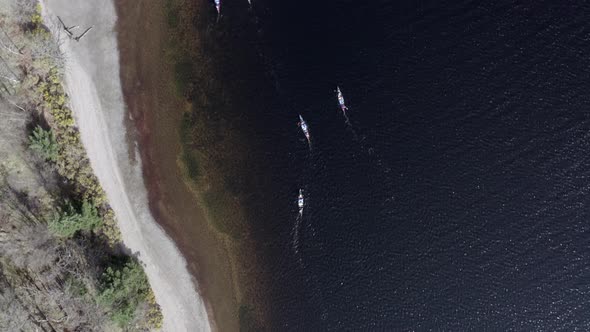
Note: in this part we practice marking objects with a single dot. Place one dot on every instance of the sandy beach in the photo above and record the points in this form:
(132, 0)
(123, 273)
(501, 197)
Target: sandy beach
(94, 88)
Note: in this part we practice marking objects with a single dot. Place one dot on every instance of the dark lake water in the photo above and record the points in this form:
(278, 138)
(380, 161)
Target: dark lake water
(456, 197)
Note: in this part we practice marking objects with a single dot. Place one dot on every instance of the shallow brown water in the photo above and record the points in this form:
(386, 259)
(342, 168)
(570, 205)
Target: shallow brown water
(156, 112)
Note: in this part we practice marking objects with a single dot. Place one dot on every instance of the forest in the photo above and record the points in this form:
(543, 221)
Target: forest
(63, 266)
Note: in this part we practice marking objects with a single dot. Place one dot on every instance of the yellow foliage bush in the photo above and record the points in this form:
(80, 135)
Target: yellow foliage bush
(155, 318)
(36, 18)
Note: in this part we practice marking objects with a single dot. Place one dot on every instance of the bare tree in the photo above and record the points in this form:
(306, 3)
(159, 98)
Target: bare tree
(9, 45)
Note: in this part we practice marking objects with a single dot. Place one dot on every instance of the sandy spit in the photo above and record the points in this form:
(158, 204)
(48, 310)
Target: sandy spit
(94, 88)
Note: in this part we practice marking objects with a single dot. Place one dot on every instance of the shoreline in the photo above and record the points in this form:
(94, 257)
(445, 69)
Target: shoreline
(230, 277)
(96, 100)
(147, 79)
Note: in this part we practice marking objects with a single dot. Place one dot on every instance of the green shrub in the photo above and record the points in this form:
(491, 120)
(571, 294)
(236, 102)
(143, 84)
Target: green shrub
(43, 142)
(69, 220)
(122, 290)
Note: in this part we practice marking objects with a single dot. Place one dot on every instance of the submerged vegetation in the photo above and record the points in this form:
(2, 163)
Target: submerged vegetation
(61, 263)
(208, 133)
(217, 154)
